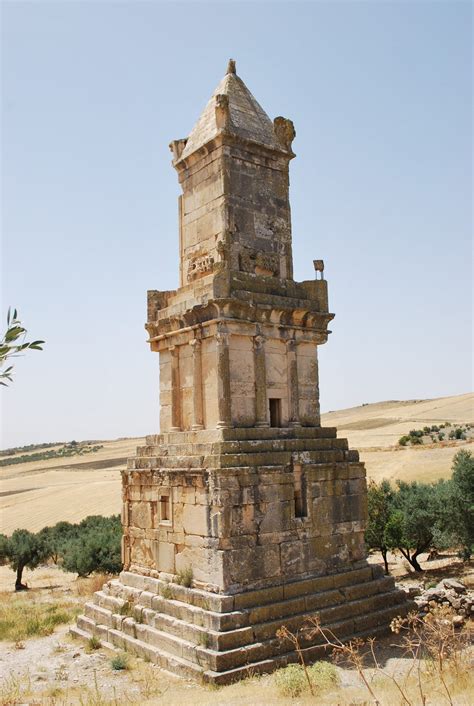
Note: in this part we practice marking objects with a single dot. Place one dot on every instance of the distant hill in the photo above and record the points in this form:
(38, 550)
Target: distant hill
(40, 493)
(375, 429)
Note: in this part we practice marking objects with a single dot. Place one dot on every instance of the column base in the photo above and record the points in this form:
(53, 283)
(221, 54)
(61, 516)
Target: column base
(197, 427)
(224, 425)
(175, 429)
(262, 424)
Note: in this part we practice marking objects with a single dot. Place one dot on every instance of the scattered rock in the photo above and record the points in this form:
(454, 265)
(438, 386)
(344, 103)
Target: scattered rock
(452, 584)
(449, 593)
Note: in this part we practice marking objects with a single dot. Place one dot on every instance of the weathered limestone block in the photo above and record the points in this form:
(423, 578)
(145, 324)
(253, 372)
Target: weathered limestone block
(196, 519)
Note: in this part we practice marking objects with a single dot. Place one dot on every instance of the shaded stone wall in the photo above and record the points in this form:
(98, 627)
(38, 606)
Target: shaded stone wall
(246, 526)
(259, 213)
(202, 216)
(259, 367)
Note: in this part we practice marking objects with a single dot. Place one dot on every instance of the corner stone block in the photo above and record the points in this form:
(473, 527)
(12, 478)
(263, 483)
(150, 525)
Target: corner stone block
(164, 553)
(141, 515)
(196, 520)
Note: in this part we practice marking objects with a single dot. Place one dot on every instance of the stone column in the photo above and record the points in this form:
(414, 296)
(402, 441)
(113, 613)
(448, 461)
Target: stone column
(261, 404)
(223, 381)
(197, 385)
(293, 395)
(175, 390)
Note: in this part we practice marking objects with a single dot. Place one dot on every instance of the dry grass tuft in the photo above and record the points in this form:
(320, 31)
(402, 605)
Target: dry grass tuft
(85, 587)
(24, 616)
(13, 690)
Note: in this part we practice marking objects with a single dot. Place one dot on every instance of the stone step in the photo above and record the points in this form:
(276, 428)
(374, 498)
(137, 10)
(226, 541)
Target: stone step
(219, 603)
(191, 614)
(185, 640)
(112, 603)
(237, 447)
(171, 663)
(310, 654)
(226, 631)
(182, 657)
(241, 433)
(101, 616)
(236, 460)
(79, 633)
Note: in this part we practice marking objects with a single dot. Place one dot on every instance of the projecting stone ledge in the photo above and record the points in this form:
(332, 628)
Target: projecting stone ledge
(218, 638)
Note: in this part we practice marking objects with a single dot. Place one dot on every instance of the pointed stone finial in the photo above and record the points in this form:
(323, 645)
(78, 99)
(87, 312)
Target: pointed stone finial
(231, 67)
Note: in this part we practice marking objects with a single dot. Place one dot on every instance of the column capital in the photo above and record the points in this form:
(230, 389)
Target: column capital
(195, 343)
(259, 340)
(291, 344)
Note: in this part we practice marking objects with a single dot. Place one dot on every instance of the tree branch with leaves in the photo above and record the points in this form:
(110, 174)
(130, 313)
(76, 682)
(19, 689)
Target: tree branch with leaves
(13, 344)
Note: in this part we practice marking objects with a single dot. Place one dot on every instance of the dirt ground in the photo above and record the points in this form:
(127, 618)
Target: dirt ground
(56, 670)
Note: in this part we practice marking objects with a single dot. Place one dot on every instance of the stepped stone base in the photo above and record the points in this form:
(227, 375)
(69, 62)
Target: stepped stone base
(222, 638)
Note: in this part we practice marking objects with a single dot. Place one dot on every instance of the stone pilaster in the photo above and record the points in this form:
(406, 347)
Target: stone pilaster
(197, 385)
(293, 393)
(175, 390)
(261, 411)
(223, 381)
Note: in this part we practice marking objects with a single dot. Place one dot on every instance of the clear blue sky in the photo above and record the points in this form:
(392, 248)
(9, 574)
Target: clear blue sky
(93, 92)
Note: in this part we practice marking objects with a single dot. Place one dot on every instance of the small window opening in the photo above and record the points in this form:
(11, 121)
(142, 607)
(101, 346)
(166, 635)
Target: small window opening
(301, 506)
(165, 511)
(275, 413)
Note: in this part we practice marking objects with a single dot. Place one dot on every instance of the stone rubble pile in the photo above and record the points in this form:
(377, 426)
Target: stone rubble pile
(448, 592)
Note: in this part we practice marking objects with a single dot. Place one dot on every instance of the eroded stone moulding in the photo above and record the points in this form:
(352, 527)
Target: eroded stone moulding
(243, 494)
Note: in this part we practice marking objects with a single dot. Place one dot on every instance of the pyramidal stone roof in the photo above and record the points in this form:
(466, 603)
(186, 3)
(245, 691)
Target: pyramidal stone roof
(247, 117)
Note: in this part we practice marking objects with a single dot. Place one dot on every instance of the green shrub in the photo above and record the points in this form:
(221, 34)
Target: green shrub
(95, 546)
(323, 675)
(416, 440)
(166, 591)
(291, 680)
(126, 609)
(119, 662)
(184, 577)
(93, 643)
(404, 440)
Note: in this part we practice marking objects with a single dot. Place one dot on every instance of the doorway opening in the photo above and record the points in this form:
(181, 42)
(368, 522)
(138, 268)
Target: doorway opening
(275, 412)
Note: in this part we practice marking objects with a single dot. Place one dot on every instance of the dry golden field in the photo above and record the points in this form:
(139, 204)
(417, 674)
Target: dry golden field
(41, 493)
(374, 429)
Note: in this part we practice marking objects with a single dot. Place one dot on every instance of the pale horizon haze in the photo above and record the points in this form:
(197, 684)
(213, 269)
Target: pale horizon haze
(93, 93)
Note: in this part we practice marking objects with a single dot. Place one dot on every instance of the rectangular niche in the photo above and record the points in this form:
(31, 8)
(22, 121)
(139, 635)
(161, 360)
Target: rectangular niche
(300, 495)
(164, 508)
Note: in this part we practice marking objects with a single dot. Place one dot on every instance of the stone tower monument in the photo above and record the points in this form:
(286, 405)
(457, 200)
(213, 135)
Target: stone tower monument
(243, 514)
